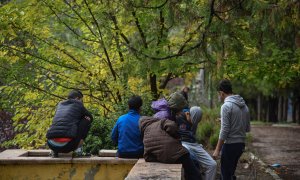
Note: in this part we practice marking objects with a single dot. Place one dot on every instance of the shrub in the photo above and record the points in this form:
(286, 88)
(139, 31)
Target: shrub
(208, 129)
(249, 138)
(213, 139)
(205, 129)
(99, 135)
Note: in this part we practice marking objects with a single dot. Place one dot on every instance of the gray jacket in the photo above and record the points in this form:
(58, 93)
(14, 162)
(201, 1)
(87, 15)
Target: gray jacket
(235, 120)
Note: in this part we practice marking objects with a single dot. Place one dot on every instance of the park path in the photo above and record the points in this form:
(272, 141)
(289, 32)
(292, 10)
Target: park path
(278, 144)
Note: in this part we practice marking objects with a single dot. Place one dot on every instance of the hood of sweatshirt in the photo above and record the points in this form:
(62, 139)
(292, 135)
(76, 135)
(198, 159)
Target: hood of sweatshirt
(160, 105)
(236, 99)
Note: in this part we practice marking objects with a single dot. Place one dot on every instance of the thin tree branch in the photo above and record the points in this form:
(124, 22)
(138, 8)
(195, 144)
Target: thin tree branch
(102, 43)
(137, 23)
(151, 7)
(41, 58)
(69, 27)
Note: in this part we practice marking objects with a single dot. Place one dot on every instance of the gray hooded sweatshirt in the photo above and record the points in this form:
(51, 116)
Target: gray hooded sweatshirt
(235, 120)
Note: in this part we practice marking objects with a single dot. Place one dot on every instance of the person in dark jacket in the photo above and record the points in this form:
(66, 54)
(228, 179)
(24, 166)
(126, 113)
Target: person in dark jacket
(162, 144)
(188, 121)
(70, 124)
(126, 133)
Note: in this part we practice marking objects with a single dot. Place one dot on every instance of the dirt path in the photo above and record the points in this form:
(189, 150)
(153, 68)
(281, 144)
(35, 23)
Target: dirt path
(281, 145)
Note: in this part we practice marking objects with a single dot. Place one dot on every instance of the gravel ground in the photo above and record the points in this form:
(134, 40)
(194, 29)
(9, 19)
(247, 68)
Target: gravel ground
(278, 145)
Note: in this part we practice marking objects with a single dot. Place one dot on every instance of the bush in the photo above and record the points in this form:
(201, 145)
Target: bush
(204, 131)
(213, 140)
(208, 129)
(249, 138)
(99, 135)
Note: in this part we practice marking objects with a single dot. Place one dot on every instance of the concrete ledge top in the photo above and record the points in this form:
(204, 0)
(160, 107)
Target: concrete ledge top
(154, 170)
(107, 153)
(18, 156)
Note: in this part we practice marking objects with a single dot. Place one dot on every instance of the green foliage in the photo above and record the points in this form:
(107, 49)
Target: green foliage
(99, 135)
(209, 127)
(261, 45)
(213, 139)
(205, 130)
(249, 138)
(108, 50)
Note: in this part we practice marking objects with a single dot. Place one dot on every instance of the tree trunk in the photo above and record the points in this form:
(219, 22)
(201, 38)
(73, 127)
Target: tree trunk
(284, 109)
(268, 111)
(201, 83)
(296, 110)
(272, 109)
(259, 99)
(210, 96)
(153, 86)
(280, 106)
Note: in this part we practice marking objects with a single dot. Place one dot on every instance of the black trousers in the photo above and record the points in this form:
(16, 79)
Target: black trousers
(231, 154)
(191, 172)
(83, 129)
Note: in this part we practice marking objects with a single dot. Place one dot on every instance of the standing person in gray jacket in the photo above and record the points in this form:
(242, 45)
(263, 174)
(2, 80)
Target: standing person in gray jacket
(235, 122)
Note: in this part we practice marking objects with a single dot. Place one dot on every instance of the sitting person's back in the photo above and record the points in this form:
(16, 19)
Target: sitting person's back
(162, 144)
(161, 140)
(126, 133)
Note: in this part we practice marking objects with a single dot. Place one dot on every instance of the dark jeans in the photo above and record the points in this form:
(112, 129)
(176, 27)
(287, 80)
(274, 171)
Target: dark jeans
(194, 159)
(83, 129)
(231, 154)
(191, 172)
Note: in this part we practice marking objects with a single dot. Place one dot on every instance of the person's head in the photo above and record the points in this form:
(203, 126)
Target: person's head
(184, 115)
(196, 115)
(75, 94)
(135, 102)
(177, 102)
(185, 89)
(224, 89)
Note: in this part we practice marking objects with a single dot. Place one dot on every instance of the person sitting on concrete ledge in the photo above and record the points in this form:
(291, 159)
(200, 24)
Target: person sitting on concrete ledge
(70, 125)
(126, 133)
(162, 144)
(187, 121)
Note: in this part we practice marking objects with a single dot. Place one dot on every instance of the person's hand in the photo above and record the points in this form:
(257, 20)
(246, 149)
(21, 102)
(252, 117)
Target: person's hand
(87, 118)
(216, 154)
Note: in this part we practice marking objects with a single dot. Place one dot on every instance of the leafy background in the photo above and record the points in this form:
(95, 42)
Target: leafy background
(112, 49)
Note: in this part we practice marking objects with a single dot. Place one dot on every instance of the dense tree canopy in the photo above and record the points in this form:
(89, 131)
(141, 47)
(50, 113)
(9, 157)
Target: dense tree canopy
(109, 49)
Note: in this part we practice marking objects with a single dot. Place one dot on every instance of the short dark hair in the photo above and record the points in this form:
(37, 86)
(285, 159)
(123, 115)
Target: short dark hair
(135, 102)
(225, 86)
(75, 94)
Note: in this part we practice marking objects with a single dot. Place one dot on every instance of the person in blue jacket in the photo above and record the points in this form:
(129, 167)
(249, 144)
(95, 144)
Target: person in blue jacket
(126, 133)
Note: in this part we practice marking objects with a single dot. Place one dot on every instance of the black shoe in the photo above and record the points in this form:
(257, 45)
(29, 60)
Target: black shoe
(54, 154)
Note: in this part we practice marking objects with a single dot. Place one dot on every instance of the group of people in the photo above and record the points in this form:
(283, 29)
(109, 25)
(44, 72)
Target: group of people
(168, 136)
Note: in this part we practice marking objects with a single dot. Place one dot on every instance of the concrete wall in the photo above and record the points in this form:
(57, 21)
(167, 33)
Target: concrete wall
(36, 164)
(65, 171)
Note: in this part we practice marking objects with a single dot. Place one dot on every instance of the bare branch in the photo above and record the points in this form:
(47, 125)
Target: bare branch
(151, 7)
